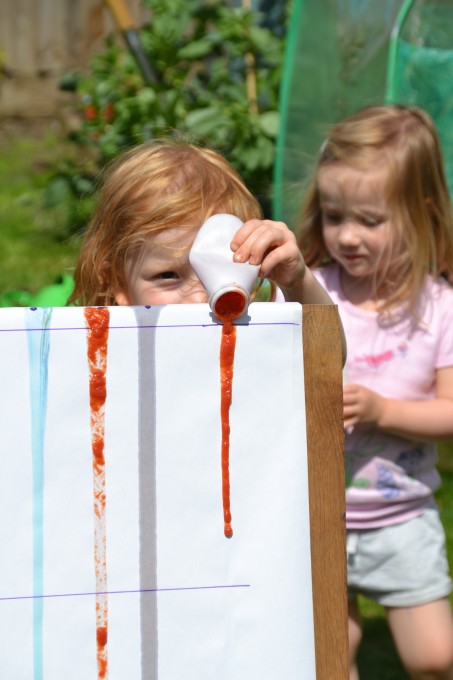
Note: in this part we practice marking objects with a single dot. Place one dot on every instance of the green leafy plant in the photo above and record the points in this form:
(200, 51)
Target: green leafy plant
(217, 75)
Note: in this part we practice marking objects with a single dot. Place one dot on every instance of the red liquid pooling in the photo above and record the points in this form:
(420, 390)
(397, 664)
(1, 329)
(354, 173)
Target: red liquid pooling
(97, 338)
(230, 305)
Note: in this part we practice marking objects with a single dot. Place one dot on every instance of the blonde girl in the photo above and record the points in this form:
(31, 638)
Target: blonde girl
(377, 226)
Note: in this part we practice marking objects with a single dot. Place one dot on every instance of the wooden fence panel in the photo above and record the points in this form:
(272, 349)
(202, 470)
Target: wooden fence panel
(40, 40)
(17, 42)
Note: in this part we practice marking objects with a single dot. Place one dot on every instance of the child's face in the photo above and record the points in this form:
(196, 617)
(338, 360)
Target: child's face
(356, 219)
(162, 275)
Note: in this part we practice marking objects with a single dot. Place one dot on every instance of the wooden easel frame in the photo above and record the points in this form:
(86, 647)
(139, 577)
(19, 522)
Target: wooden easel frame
(324, 417)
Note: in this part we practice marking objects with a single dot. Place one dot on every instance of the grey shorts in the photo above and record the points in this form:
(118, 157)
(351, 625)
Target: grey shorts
(402, 565)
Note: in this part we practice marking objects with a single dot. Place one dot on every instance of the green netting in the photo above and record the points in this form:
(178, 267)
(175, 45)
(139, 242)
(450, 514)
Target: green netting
(421, 66)
(336, 61)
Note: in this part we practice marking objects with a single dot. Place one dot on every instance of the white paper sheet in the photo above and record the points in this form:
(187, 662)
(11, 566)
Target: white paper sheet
(180, 599)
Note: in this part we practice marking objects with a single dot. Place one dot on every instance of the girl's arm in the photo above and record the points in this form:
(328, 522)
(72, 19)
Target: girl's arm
(274, 246)
(429, 420)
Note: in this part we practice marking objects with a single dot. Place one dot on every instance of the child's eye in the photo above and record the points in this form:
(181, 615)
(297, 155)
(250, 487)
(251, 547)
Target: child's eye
(332, 218)
(167, 275)
(371, 221)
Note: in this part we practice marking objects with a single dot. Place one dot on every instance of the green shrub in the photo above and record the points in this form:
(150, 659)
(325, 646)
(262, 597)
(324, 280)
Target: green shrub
(217, 75)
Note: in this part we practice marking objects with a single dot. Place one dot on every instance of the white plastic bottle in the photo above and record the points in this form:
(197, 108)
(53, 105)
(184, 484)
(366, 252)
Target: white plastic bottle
(228, 283)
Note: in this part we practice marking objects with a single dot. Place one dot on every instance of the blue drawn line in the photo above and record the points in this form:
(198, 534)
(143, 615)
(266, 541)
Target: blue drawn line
(126, 592)
(38, 352)
(182, 325)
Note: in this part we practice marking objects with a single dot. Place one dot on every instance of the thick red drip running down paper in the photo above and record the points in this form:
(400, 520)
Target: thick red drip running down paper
(227, 349)
(228, 307)
(97, 338)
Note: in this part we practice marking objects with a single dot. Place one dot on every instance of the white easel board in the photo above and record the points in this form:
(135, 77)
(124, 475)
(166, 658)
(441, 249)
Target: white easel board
(150, 579)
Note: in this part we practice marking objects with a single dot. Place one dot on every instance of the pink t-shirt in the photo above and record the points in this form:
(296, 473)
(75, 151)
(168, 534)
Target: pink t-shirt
(390, 479)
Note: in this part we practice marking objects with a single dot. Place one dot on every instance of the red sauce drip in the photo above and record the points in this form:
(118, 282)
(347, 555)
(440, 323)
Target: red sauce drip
(101, 636)
(97, 446)
(97, 338)
(102, 668)
(230, 305)
(227, 349)
(98, 390)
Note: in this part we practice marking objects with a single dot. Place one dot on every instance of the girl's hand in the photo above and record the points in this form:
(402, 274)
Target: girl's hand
(424, 420)
(273, 246)
(361, 405)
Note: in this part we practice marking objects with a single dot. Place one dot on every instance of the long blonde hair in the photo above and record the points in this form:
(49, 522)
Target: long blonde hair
(152, 187)
(417, 194)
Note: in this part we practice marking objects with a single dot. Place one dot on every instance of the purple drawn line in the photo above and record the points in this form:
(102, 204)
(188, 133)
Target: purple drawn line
(126, 592)
(182, 325)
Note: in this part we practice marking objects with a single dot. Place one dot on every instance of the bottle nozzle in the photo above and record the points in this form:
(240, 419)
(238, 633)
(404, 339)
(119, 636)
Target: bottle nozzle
(230, 302)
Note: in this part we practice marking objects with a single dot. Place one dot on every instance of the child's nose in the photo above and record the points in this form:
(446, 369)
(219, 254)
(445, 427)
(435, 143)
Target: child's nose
(349, 233)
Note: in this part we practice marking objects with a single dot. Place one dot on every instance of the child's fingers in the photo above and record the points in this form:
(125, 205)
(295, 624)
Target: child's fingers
(349, 412)
(351, 393)
(348, 389)
(350, 405)
(244, 232)
(270, 259)
(348, 424)
(361, 404)
(257, 238)
(266, 232)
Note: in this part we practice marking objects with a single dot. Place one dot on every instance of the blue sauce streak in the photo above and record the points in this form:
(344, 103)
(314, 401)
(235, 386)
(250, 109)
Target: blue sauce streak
(38, 354)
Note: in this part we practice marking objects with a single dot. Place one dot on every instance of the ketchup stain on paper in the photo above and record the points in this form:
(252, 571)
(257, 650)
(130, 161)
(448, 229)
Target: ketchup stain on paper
(227, 349)
(229, 306)
(97, 338)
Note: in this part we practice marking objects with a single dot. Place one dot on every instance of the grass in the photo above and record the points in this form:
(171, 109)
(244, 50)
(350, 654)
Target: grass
(36, 247)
